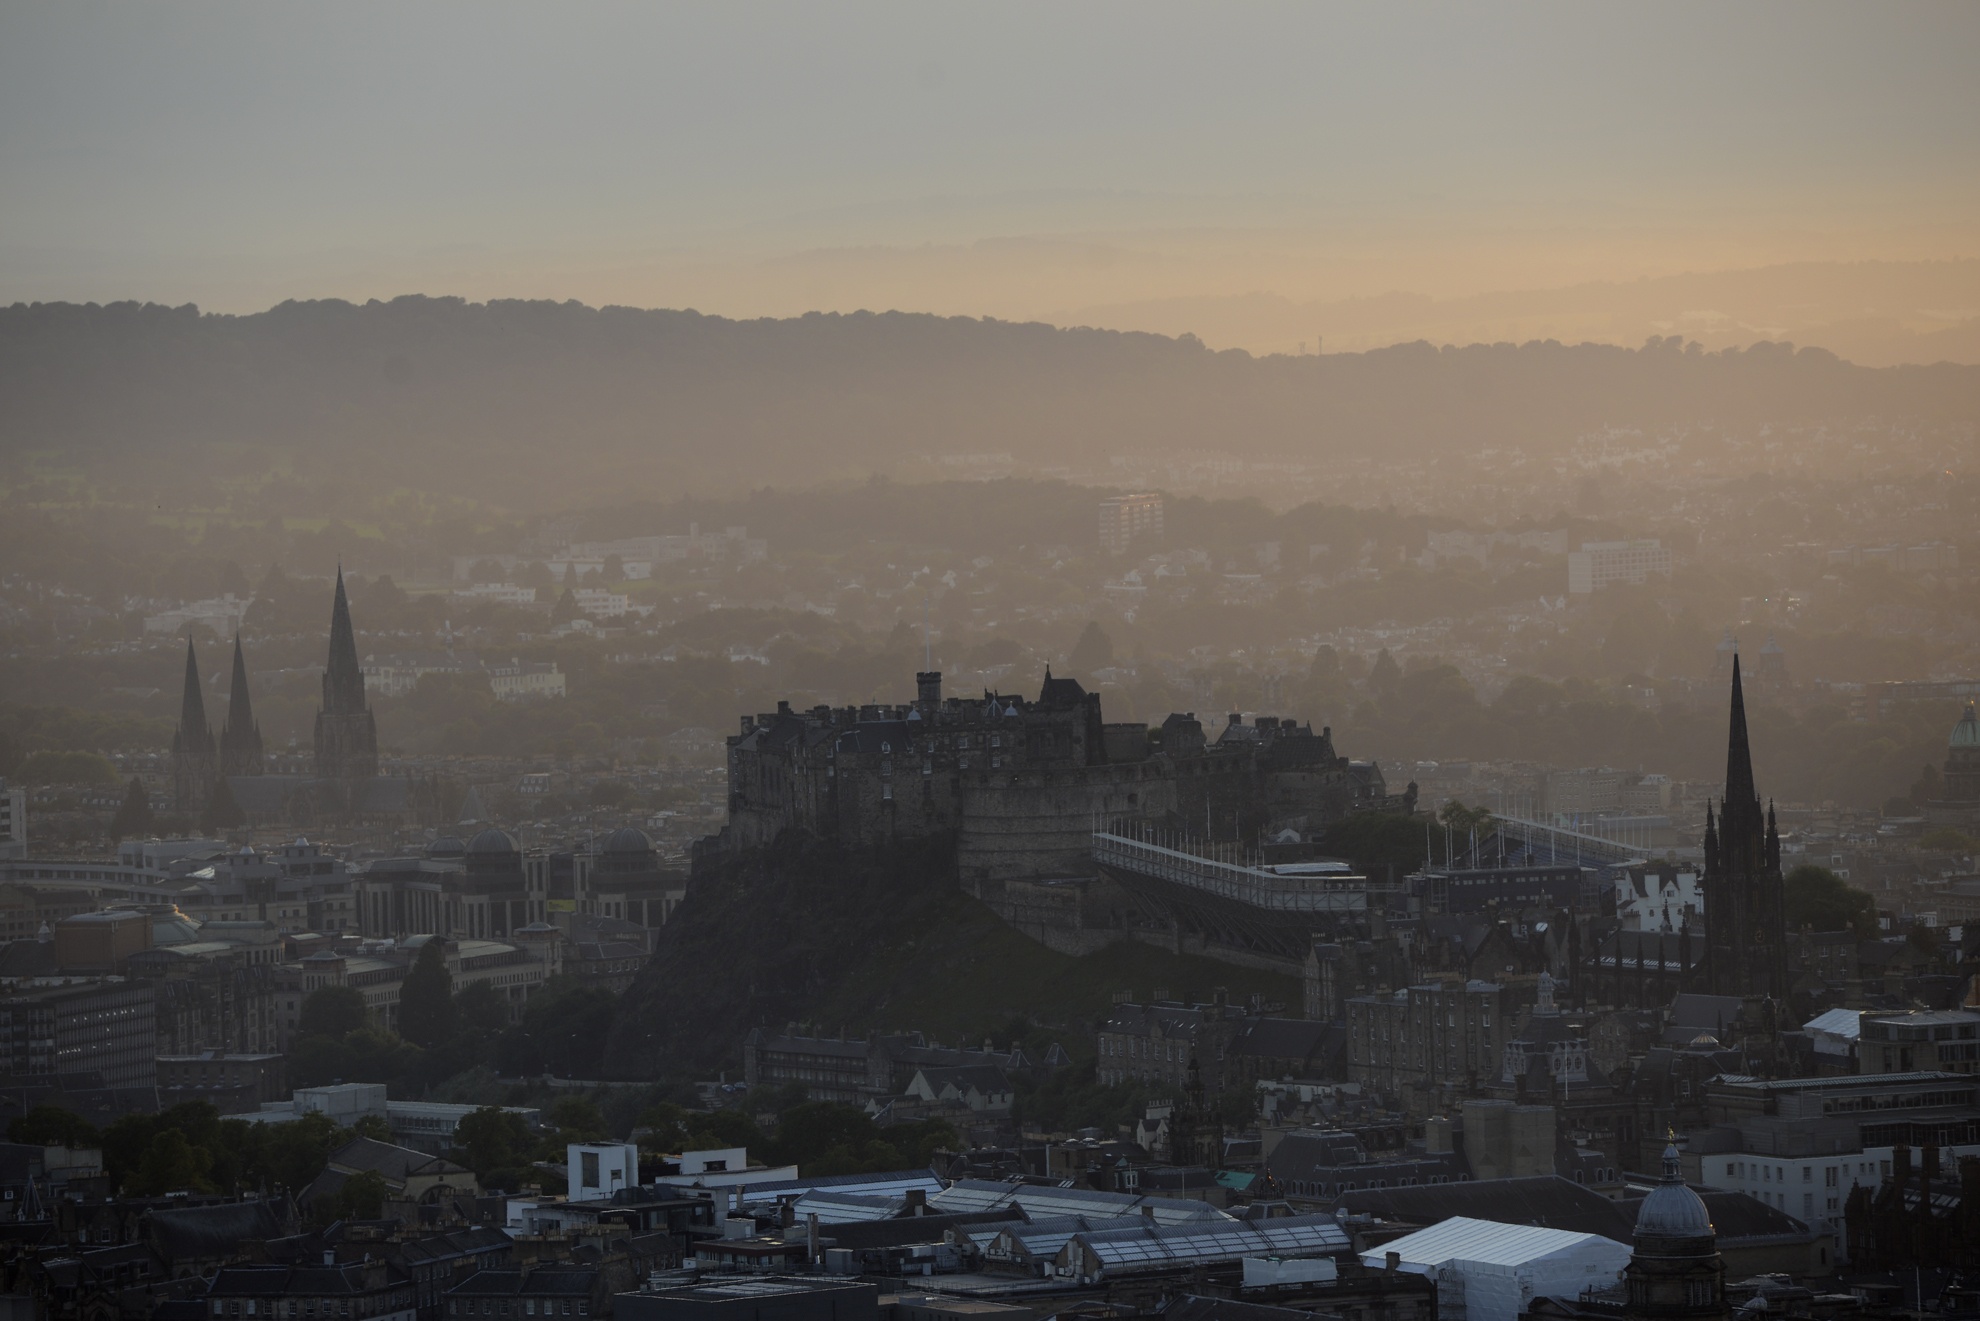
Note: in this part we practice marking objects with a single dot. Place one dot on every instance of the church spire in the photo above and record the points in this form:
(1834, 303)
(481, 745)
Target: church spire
(240, 737)
(343, 681)
(346, 734)
(1739, 755)
(192, 703)
(192, 742)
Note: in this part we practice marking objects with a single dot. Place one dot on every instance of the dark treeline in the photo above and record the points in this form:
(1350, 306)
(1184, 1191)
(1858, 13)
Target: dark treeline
(555, 401)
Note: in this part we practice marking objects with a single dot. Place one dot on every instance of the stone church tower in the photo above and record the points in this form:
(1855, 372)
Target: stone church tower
(1675, 1273)
(346, 734)
(240, 737)
(1745, 903)
(193, 758)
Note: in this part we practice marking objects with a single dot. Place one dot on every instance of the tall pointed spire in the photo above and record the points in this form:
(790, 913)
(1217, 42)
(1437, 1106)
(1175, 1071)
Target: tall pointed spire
(240, 737)
(346, 734)
(343, 681)
(1739, 754)
(192, 701)
(1745, 922)
(192, 742)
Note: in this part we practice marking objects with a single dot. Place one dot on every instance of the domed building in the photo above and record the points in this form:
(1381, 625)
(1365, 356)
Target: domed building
(1959, 804)
(614, 875)
(1675, 1273)
(490, 897)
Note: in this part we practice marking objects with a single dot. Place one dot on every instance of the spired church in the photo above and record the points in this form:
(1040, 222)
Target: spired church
(224, 782)
(1745, 897)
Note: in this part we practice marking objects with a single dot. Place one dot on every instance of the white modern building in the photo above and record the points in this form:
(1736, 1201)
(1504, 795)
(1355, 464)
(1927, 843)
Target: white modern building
(1487, 1271)
(595, 1171)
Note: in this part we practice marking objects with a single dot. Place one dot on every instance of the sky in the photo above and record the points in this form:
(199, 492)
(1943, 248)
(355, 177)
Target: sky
(1017, 160)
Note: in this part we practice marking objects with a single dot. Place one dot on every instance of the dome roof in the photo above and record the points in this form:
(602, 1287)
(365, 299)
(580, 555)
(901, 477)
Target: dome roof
(1966, 734)
(492, 841)
(1673, 1210)
(626, 839)
(447, 846)
(173, 928)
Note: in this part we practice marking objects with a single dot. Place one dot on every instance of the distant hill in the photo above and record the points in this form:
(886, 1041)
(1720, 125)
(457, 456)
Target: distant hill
(545, 403)
(1877, 313)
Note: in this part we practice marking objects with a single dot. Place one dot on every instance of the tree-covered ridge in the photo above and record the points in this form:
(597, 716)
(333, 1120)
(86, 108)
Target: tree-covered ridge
(511, 398)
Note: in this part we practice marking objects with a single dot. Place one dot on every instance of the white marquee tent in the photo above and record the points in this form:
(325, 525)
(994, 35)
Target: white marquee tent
(1486, 1271)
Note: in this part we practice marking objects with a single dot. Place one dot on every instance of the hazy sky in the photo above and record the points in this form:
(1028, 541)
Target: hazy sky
(1010, 159)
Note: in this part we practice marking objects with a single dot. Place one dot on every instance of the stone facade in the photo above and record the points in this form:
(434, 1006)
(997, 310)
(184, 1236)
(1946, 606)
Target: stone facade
(1023, 784)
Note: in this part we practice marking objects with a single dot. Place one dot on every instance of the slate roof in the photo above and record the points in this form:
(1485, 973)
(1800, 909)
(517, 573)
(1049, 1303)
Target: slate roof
(870, 1234)
(217, 1230)
(1189, 1307)
(1548, 1201)
(1281, 1038)
(1738, 1217)
(556, 1280)
(395, 1163)
(346, 1279)
(985, 1078)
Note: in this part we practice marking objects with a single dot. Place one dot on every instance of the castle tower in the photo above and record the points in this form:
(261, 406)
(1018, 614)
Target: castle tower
(1675, 1273)
(240, 737)
(192, 744)
(346, 734)
(1745, 903)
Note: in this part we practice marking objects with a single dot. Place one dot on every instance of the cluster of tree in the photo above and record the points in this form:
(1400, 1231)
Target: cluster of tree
(190, 1147)
(820, 1137)
(500, 1147)
(1819, 900)
(63, 744)
(443, 1033)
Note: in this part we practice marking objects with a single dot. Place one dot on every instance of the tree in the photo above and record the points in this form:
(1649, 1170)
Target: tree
(427, 1015)
(564, 1026)
(287, 1156)
(1326, 663)
(490, 1141)
(1386, 677)
(171, 1164)
(46, 767)
(332, 1011)
(127, 1142)
(482, 1008)
(577, 1119)
(373, 1127)
(52, 1126)
(361, 1198)
(1093, 651)
(133, 819)
(1819, 899)
(566, 608)
(221, 812)
(1948, 840)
